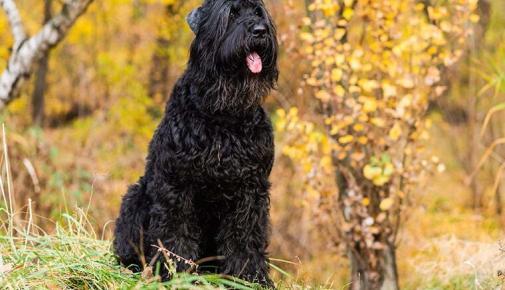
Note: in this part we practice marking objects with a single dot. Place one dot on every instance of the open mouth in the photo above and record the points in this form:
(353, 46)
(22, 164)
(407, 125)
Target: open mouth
(254, 63)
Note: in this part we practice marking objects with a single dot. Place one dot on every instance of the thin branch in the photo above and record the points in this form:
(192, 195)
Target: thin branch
(17, 28)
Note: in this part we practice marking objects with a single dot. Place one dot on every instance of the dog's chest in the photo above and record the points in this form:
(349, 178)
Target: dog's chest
(237, 153)
(203, 149)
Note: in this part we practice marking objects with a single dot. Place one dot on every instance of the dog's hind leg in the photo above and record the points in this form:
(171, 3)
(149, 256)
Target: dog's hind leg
(132, 221)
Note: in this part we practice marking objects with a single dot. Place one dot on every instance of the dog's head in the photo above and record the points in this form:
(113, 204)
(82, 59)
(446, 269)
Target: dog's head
(235, 39)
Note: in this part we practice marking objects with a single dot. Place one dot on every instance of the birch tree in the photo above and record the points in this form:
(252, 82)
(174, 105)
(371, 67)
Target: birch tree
(26, 50)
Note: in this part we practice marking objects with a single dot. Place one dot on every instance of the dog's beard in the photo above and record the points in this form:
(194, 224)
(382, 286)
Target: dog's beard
(238, 97)
(245, 76)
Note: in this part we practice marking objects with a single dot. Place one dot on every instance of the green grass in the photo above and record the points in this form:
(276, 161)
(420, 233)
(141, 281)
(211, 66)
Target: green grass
(72, 258)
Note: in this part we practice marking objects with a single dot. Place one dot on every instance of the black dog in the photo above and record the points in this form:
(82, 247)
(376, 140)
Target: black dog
(205, 188)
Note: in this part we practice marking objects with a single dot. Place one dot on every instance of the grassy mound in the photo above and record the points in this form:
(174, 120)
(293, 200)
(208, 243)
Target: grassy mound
(73, 258)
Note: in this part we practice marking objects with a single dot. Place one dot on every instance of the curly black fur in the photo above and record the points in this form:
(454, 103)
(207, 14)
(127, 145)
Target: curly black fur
(205, 188)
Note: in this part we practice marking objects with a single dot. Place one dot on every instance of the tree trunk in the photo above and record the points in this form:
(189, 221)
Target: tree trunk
(26, 51)
(159, 72)
(159, 77)
(384, 278)
(38, 97)
(41, 76)
(371, 268)
(498, 201)
(474, 138)
(390, 268)
(474, 119)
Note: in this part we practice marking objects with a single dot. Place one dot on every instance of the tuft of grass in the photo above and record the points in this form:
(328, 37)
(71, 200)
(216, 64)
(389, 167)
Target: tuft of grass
(72, 258)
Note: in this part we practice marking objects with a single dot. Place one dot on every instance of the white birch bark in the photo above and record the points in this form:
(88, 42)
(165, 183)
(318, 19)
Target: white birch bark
(26, 51)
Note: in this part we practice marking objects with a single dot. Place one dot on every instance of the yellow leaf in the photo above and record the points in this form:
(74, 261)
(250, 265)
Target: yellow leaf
(345, 139)
(370, 172)
(368, 85)
(328, 61)
(369, 105)
(308, 49)
(354, 89)
(358, 127)
(336, 74)
(334, 129)
(348, 3)
(365, 201)
(348, 12)
(355, 63)
(446, 26)
(386, 204)
(395, 132)
(389, 90)
(307, 167)
(363, 118)
(339, 58)
(306, 36)
(293, 111)
(357, 156)
(432, 50)
(405, 101)
(339, 91)
(312, 192)
(407, 82)
(363, 140)
(326, 163)
(323, 95)
(380, 180)
(388, 169)
(339, 33)
(379, 122)
(474, 18)
(312, 81)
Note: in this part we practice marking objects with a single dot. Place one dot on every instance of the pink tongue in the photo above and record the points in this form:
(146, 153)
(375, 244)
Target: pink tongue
(254, 63)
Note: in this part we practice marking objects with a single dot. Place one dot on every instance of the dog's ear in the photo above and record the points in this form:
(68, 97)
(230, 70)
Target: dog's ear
(194, 18)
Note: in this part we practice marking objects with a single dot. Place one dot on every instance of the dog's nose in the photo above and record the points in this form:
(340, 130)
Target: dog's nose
(259, 30)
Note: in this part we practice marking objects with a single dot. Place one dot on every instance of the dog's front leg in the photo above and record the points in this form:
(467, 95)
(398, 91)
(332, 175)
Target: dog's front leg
(243, 237)
(174, 227)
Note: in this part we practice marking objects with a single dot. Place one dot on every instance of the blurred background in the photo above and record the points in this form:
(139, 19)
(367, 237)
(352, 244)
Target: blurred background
(78, 133)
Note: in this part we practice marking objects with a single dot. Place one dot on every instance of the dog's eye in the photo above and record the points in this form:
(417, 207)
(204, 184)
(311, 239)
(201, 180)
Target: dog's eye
(258, 12)
(234, 12)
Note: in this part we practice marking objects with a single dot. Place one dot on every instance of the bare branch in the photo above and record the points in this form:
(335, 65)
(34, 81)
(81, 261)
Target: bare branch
(18, 30)
(23, 57)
